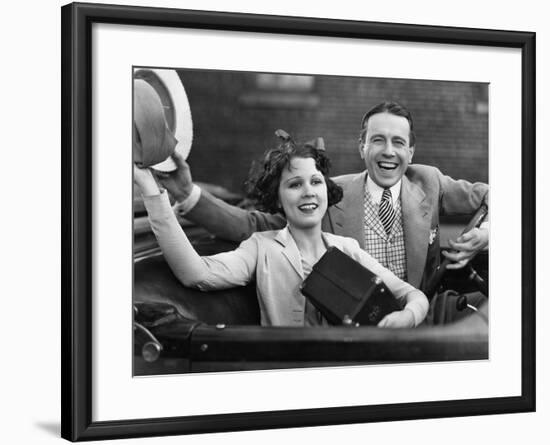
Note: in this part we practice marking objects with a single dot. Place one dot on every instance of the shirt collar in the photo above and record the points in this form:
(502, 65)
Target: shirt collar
(375, 191)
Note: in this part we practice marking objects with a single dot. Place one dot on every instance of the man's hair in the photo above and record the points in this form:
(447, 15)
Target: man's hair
(392, 108)
(264, 179)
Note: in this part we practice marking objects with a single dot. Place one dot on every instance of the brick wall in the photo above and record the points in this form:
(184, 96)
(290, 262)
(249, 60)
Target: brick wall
(234, 120)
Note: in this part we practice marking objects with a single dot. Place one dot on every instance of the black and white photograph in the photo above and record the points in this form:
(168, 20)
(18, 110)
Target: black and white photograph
(288, 220)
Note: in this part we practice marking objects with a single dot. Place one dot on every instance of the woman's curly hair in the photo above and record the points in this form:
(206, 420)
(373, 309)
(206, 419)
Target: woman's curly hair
(263, 183)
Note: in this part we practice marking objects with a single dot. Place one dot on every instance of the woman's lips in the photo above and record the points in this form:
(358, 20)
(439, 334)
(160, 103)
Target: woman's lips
(309, 207)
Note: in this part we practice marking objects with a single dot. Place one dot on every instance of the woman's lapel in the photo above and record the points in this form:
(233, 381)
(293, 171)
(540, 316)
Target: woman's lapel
(290, 250)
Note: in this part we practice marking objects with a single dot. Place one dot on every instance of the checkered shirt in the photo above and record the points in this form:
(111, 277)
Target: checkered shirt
(388, 250)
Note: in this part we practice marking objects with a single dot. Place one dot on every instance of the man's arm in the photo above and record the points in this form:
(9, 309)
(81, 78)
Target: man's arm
(231, 222)
(218, 217)
(460, 197)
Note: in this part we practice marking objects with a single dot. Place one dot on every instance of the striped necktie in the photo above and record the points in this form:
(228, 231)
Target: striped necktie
(386, 212)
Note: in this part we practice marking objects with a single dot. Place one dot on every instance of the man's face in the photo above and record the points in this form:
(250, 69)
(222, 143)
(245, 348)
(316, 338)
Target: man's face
(387, 151)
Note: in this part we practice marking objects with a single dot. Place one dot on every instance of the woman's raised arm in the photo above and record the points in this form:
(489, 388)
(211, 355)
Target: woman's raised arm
(225, 270)
(182, 258)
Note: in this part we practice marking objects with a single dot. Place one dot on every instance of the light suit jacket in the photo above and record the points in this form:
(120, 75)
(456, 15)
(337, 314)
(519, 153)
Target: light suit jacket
(425, 194)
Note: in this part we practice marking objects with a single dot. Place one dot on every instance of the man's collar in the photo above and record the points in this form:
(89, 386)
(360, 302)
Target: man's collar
(376, 191)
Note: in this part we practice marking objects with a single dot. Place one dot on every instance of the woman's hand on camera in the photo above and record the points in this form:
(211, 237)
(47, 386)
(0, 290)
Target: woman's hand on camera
(398, 319)
(143, 178)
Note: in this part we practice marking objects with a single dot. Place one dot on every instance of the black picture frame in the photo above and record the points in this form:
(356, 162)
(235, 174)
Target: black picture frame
(76, 248)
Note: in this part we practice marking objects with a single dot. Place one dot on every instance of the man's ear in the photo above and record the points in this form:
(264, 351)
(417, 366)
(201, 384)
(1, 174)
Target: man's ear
(362, 149)
(411, 153)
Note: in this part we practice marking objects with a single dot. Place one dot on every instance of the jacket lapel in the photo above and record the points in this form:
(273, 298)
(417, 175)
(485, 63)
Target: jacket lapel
(416, 227)
(290, 250)
(347, 216)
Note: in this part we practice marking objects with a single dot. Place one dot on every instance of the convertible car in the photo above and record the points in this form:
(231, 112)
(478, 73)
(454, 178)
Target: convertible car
(181, 330)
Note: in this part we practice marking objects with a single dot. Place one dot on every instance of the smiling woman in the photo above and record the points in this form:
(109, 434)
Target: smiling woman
(303, 193)
(277, 173)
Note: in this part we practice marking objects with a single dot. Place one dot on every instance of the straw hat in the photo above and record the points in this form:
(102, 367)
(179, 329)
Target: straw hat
(162, 119)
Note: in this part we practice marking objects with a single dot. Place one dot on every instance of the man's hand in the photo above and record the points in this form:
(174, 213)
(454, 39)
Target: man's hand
(179, 182)
(398, 319)
(466, 246)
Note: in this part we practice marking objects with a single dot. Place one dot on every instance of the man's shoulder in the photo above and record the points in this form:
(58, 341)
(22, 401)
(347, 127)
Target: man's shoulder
(428, 175)
(421, 171)
(348, 178)
(424, 176)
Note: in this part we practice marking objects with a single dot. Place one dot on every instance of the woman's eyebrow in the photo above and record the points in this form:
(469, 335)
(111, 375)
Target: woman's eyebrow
(291, 178)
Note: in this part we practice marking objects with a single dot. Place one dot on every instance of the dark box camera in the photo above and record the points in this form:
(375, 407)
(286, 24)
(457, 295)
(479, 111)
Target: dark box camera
(346, 292)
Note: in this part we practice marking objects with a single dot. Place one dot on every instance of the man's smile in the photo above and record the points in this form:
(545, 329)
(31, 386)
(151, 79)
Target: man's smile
(385, 165)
